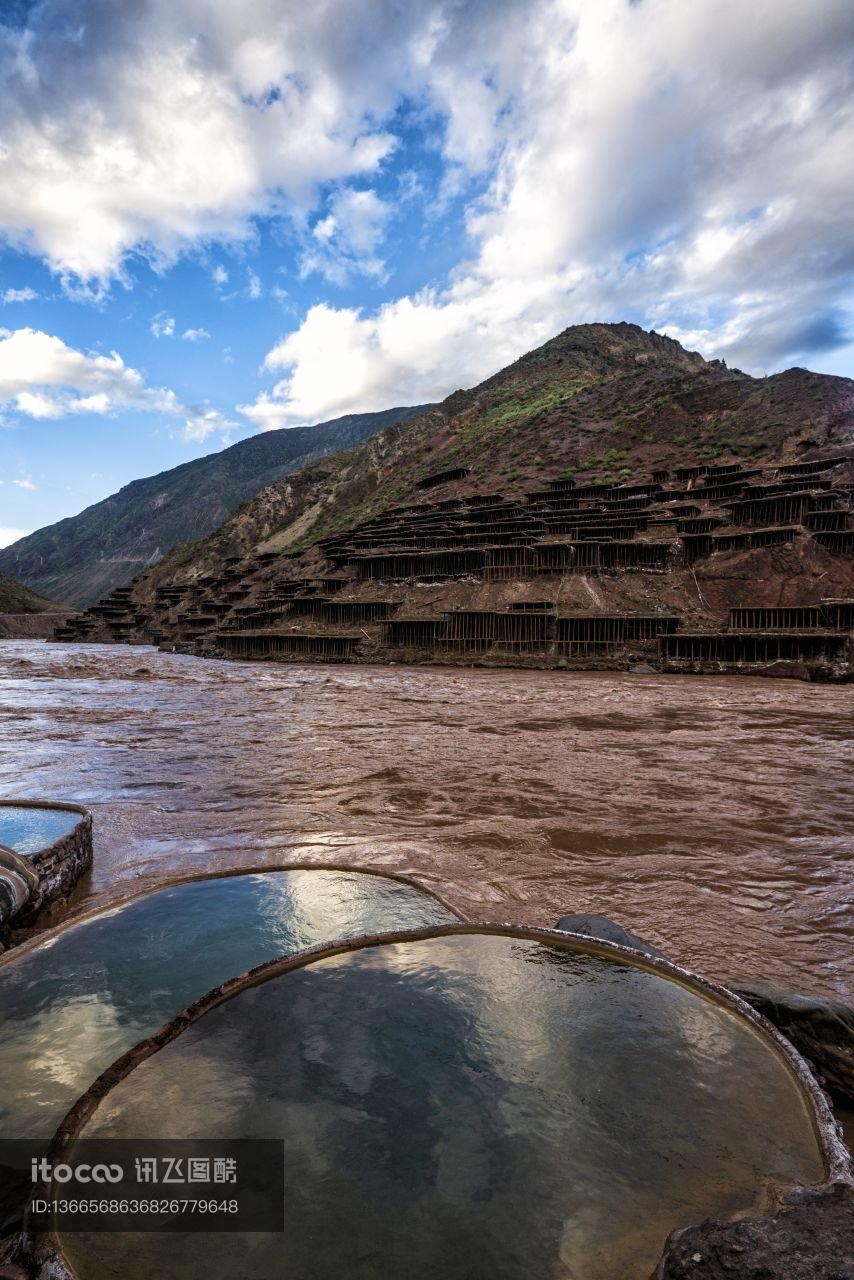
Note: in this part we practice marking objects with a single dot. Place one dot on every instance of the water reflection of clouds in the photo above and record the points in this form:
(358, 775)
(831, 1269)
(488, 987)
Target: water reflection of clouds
(305, 906)
(469, 1101)
(204, 1074)
(61, 1049)
(75, 1003)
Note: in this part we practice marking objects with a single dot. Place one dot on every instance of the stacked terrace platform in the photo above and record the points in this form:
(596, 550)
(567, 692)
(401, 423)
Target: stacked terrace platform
(366, 583)
(116, 615)
(533, 628)
(778, 618)
(821, 633)
(697, 650)
(814, 634)
(342, 612)
(545, 630)
(76, 630)
(424, 541)
(253, 644)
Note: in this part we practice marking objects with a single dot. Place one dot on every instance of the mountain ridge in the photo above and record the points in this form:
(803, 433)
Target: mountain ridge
(82, 557)
(599, 402)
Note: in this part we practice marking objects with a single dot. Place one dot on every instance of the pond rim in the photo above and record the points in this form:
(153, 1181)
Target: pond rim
(29, 945)
(46, 1244)
(68, 806)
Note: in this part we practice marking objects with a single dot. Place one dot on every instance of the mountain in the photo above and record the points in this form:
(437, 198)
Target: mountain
(598, 403)
(578, 508)
(80, 559)
(15, 598)
(24, 615)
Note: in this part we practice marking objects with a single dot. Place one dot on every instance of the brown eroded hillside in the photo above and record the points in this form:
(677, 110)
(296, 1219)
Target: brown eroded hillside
(608, 474)
(24, 614)
(598, 402)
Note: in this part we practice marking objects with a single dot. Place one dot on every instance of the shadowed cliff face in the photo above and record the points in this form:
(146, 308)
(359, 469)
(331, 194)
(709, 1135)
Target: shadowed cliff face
(80, 559)
(708, 815)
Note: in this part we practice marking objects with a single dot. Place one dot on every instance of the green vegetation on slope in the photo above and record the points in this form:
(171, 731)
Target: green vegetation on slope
(15, 598)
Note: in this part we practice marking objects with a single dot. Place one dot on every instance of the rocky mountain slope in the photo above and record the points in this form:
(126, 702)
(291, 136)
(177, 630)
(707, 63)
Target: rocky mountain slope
(597, 403)
(15, 598)
(609, 495)
(80, 559)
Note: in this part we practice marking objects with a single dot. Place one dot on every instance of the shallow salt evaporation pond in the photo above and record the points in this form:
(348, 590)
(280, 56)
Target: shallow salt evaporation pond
(26, 830)
(74, 1003)
(473, 1106)
(712, 816)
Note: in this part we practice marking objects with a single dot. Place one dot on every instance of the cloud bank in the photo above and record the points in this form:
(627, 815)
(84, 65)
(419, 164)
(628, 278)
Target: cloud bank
(43, 378)
(688, 165)
(9, 535)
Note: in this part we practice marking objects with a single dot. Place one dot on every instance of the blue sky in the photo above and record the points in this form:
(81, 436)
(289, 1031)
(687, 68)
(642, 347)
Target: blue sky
(201, 328)
(217, 219)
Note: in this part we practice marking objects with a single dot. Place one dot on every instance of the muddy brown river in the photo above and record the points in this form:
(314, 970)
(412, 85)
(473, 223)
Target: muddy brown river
(710, 815)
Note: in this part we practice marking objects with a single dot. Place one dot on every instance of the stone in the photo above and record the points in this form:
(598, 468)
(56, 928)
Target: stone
(593, 926)
(811, 1237)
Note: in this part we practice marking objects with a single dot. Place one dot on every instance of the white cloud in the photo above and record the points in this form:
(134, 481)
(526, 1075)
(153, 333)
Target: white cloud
(9, 535)
(268, 414)
(34, 405)
(686, 164)
(347, 239)
(43, 378)
(157, 126)
(163, 325)
(25, 484)
(19, 295)
(689, 166)
(254, 288)
(411, 351)
(204, 422)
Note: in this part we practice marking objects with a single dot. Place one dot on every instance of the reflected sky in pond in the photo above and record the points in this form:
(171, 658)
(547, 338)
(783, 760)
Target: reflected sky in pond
(27, 830)
(74, 1004)
(471, 1108)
